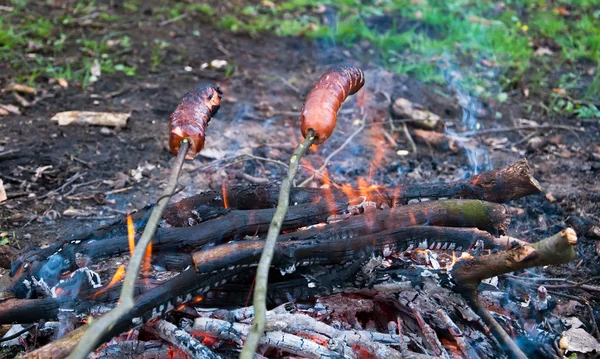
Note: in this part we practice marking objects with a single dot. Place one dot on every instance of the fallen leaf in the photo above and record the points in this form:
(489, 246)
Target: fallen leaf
(62, 82)
(109, 119)
(488, 63)
(541, 51)
(10, 109)
(3, 112)
(76, 213)
(561, 11)
(559, 91)
(580, 341)
(95, 71)
(20, 88)
(480, 20)
(2, 192)
(213, 153)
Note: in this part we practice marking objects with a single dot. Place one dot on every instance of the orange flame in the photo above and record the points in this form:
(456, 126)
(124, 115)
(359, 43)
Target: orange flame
(224, 194)
(463, 255)
(117, 277)
(130, 234)
(146, 262)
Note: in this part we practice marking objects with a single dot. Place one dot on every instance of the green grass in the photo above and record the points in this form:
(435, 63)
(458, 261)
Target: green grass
(493, 45)
(36, 45)
(498, 48)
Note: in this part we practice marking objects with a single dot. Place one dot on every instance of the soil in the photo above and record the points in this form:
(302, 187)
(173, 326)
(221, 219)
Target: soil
(259, 115)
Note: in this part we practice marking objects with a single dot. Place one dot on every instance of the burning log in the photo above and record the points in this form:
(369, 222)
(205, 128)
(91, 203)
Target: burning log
(558, 249)
(290, 254)
(504, 184)
(468, 274)
(290, 343)
(181, 339)
(60, 348)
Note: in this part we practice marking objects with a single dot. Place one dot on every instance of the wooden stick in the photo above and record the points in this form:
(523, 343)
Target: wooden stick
(262, 272)
(99, 327)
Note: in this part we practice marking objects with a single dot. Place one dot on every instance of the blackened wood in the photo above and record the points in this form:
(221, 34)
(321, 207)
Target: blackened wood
(291, 254)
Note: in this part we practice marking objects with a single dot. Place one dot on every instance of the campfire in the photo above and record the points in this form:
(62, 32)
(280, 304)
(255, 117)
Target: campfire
(337, 271)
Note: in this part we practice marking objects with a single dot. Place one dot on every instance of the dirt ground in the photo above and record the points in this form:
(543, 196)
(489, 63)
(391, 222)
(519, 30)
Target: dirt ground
(115, 171)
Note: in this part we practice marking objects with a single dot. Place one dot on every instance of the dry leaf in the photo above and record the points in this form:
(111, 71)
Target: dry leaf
(213, 153)
(488, 63)
(76, 213)
(559, 91)
(62, 82)
(480, 20)
(541, 51)
(3, 112)
(20, 88)
(10, 109)
(95, 71)
(2, 192)
(580, 341)
(108, 119)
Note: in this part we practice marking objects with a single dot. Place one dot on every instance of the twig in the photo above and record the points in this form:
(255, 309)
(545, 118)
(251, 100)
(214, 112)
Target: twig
(337, 150)
(61, 188)
(240, 158)
(182, 340)
(175, 19)
(17, 334)
(262, 272)
(99, 327)
(518, 128)
(509, 344)
(413, 146)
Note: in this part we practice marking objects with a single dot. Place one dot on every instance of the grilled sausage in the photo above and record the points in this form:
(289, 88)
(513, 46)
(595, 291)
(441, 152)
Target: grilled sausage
(191, 118)
(326, 97)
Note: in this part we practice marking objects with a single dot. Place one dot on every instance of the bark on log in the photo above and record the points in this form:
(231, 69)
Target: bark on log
(60, 348)
(504, 184)
(558, 249)
(290, 254)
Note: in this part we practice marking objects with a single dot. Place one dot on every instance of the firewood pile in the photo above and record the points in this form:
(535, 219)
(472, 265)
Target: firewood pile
(416, 271)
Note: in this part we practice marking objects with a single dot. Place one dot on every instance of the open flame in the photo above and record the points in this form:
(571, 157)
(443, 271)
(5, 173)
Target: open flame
(131, 238)
(224, 194)
(117, 277)
(130, 234)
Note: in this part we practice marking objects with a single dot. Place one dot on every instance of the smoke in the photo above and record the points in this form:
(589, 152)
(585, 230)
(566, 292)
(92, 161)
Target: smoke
(478, 156)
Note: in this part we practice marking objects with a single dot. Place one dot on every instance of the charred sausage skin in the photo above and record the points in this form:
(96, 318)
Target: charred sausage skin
(191, 118)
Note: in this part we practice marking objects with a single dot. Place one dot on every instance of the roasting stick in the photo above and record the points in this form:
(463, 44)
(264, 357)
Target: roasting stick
(99, 327)
(262, 272)
(187, 126)
(318, 119)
